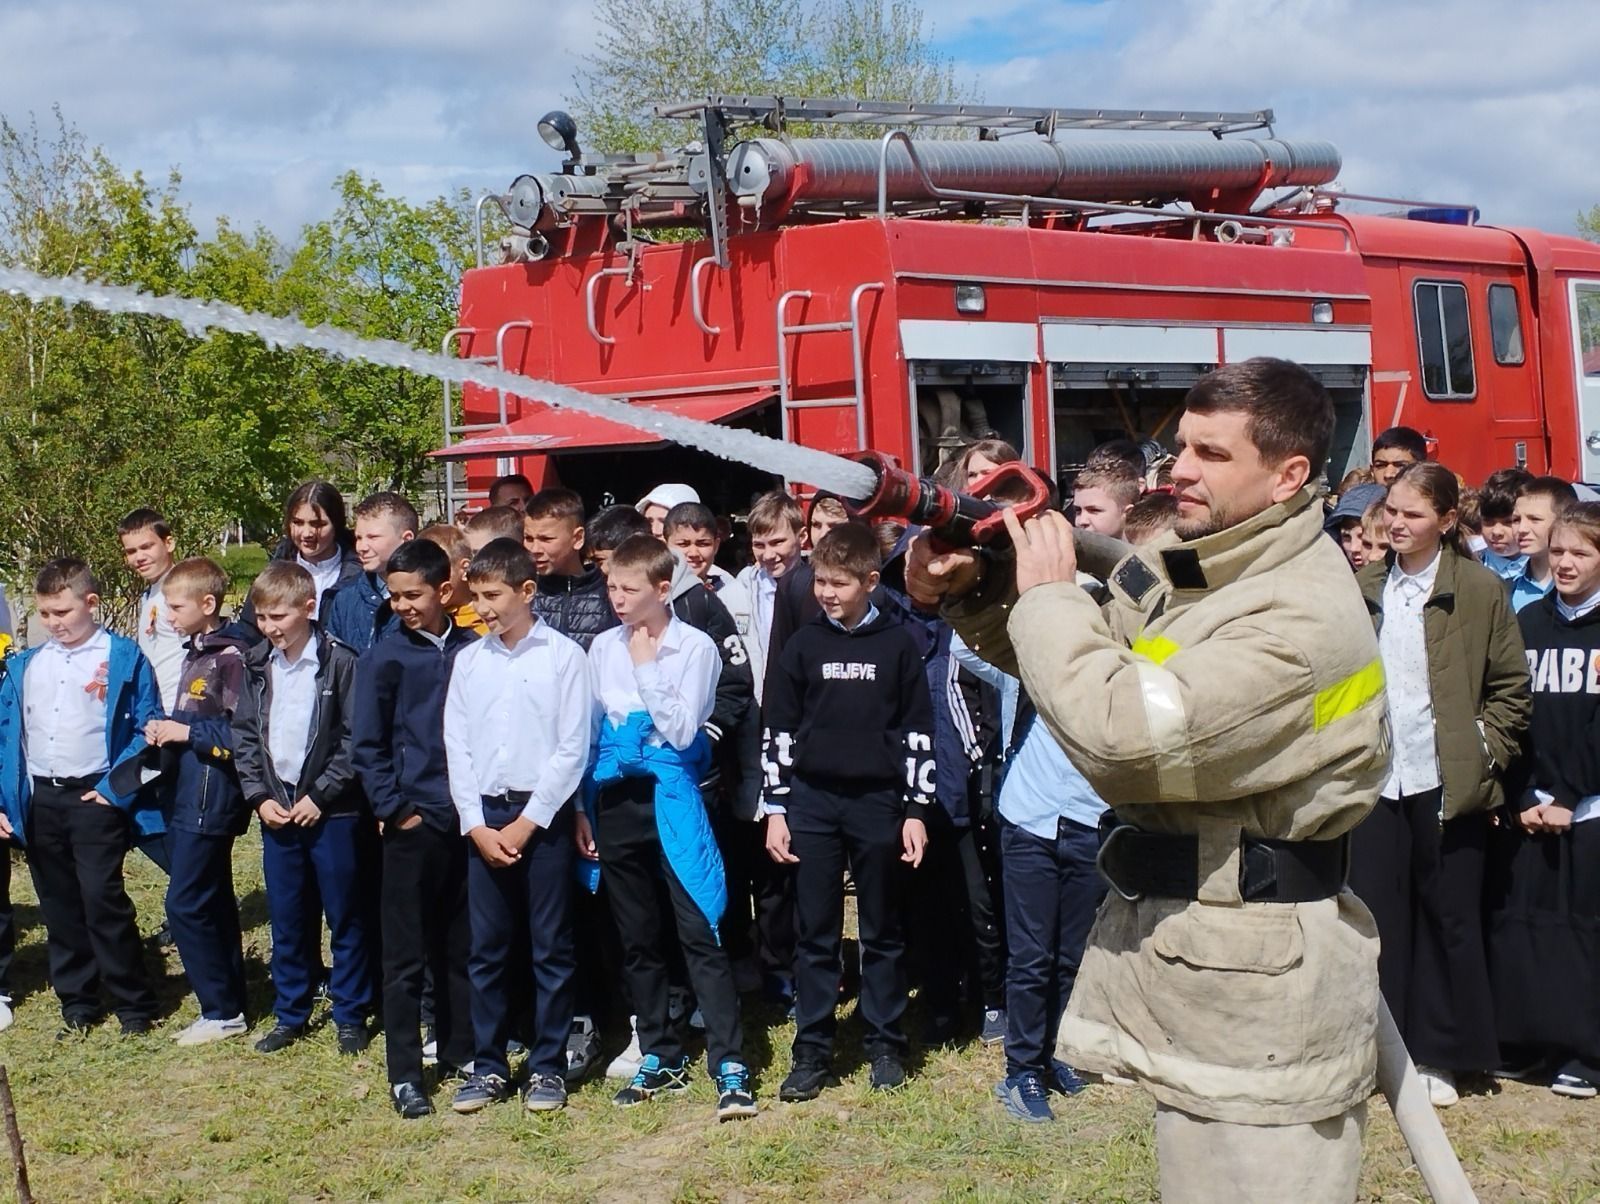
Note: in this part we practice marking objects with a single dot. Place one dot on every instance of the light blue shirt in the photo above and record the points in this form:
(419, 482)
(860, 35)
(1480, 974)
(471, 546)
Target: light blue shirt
(1507, 568)
(1525, 590)
(872, 613)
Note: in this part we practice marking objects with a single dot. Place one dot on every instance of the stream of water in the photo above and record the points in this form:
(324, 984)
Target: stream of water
(788, 460)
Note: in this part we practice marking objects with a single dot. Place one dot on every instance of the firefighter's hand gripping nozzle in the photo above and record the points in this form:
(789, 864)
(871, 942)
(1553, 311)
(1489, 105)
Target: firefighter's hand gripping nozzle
(972, 519)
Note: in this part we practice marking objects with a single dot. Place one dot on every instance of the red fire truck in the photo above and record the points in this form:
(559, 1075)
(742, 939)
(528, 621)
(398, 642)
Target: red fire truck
(1056, 277)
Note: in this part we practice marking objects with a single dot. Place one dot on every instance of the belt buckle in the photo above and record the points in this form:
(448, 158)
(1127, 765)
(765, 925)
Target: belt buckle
(1101, 860)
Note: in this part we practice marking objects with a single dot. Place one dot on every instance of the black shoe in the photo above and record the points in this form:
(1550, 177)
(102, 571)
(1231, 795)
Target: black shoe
(887, 1073)
(137, 1026)
(941, 1031)
(654, 1076)
(409, 1100)
(805, 1081)
(353, 1038)
(281, 1037)
(162, 937)
(74, 1028)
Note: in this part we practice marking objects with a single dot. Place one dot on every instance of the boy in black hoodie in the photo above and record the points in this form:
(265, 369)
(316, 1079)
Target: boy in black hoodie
(848, 755)
(398, 749)
(292, 741)
(570, 597)
(206, 810)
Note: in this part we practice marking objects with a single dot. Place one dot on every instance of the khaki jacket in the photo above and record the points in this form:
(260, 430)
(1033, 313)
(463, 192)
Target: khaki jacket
(1477, 676)
(1250, 702)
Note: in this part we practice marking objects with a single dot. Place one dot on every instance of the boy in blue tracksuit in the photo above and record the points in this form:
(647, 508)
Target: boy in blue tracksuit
(655, 680)
(205, 809)
(359, 614)
(397, 746)
(72, 712)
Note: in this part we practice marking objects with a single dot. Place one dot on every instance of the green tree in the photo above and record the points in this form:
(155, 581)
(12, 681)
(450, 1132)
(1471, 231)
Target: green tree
(656, 50)
(1589, 224)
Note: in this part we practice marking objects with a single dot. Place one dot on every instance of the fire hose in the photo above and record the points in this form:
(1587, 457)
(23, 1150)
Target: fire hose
(967, 519)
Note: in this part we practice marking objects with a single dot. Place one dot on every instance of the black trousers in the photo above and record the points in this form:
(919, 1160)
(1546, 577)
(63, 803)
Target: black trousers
(1052, 893)
(632, 866)
(772, 888)
(828, 832)
(955, 933)
(1423, 882)
(8, 921)
(425, 926)
(526, 905)
(75, 852)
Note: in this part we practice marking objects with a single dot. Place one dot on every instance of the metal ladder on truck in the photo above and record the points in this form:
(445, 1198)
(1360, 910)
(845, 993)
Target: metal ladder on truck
(856, 401)
(455, 495)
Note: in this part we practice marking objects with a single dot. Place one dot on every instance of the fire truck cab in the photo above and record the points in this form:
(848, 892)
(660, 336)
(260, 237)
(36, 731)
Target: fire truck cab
(1053, 290)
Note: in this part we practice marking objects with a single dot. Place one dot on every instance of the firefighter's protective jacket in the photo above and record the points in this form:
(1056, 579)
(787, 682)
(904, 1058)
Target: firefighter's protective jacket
(1231, 687)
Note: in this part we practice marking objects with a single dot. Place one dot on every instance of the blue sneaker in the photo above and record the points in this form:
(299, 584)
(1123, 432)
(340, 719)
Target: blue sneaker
(653, 1076)
(735, 1099)
(479, 1092)
(1064, 1080)
(1024, 1096)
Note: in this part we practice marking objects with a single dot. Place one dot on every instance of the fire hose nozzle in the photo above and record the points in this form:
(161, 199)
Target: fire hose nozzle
(966, 519)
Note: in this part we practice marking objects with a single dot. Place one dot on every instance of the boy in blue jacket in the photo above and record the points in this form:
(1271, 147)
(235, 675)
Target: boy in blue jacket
(655, 679)
(359, 614)
(397, 746)
(206, 810)
(71, 712)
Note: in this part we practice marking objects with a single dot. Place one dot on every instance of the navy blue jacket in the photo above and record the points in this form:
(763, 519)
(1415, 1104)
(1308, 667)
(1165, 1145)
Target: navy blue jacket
(359, 614)
(397, 726)
(202, 788)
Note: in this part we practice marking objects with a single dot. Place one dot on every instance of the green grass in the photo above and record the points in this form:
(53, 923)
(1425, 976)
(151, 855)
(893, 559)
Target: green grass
(139, 1119)
(242, 563)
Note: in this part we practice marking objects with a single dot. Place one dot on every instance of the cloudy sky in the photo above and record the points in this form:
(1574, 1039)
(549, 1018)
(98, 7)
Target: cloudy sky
(261, 103)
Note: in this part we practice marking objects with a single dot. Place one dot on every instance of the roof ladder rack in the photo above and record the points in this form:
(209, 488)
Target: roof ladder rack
(787, 403)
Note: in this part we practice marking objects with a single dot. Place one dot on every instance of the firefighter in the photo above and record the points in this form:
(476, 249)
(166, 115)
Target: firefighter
(1228, 704)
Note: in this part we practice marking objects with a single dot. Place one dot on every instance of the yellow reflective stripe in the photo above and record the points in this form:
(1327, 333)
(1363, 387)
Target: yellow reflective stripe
(1157, 648)
(1350, 695)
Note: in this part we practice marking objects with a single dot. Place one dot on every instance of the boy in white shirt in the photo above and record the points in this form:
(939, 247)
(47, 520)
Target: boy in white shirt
(656, 678)
(517, 723)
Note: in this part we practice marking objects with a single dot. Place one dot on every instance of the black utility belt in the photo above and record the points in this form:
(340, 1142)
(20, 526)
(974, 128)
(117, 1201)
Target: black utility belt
(1139, 864)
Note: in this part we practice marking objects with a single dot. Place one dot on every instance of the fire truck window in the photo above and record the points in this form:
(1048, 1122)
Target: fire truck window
(1444, 340)
(1505, 324)
(1588, 300)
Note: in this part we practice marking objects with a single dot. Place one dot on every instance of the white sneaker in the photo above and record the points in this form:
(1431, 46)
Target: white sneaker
(7, 1016)
(1441, 1085)
(626, 1064)
(697, 1020)
(204, 1032)
(678, 1001)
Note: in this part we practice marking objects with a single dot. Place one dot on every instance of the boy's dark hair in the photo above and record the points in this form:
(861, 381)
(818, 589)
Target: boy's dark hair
(502, 560)
(1289, 412)
(424, 558)
(1121, 456)
(281, 583)
(1152, 514)
(202, 577)
(511, 478)
(697, 516)
(556, 503)
(850, 547)
(607, 530)
(1498, 497)
(1560, 493)
(63, 573)
(392, 506)
(648, 555)
(320, 496)
(144, 519)
(499, 522)
(1402, 438)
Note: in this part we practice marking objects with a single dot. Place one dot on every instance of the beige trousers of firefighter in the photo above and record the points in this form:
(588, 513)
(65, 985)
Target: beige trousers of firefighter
(1204, 1161)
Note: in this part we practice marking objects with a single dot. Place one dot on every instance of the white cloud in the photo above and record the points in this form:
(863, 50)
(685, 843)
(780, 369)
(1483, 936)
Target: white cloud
(262, 103)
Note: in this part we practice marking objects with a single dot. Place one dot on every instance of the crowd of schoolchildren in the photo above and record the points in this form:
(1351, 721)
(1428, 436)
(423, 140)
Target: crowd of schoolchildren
(558, 784)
